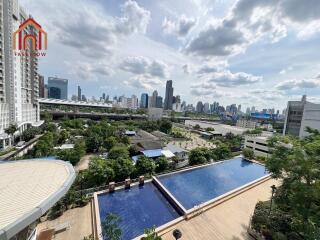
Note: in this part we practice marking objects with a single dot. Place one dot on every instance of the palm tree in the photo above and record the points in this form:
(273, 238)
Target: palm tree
(110, 227)
(11, 130)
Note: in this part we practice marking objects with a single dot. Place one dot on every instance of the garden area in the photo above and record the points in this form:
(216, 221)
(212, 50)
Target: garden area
(293, 213)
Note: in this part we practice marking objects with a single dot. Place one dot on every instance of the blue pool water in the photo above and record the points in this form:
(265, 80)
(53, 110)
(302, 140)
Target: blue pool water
(200, 185)
(139, 208)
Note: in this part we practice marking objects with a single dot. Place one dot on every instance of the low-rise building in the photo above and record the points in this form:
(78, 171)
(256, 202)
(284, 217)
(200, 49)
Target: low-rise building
(179, 152)
(258, 143)
(155, 113)
(221, 128)
(246, 123)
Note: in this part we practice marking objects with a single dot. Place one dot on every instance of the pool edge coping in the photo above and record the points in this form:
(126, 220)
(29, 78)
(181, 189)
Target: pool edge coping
(98, 219)
(188, 214)
(226, 196)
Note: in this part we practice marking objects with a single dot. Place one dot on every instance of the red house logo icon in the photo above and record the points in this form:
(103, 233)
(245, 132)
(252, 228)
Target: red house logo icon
(39, 38)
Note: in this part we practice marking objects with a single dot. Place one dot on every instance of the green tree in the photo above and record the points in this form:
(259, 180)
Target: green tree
(93, 142)
(63, 136)
(11, 130)
(162, 164)
(222, 151)
(118, 151)
(297, 163)
(110, 142)
(151, 234)
(165, 126)
(30, 133)
(122, 167)
(98, 173)
(197, 126)
(145, 165)
(248, 153)
(198, 156)
(110, 227)
(44, 146)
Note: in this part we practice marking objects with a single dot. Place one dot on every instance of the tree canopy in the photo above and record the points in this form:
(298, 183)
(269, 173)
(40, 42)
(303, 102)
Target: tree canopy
(297, 163)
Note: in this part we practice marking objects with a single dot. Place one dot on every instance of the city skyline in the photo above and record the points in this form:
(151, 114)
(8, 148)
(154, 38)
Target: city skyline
(272, 63)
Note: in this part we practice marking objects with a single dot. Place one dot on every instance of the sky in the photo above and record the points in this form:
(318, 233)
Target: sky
(251, 52)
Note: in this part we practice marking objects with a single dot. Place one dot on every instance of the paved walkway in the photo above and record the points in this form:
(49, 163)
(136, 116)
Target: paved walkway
(79, 220)
(227, 221)
(84, 162)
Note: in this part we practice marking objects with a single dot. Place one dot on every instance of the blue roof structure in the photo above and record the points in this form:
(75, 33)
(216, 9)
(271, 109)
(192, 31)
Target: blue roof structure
(135, 158)
(152, 153)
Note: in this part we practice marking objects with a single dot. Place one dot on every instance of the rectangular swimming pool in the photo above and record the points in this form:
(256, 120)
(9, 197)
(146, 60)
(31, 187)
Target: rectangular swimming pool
(199, 185)
(139, 208)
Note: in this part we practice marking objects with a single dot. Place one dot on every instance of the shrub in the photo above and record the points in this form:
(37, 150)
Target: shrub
(248, 153)
(144, 165)
(161, 164)
(199, 156)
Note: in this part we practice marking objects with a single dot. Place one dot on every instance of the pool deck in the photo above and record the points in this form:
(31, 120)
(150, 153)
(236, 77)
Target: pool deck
(228, 220)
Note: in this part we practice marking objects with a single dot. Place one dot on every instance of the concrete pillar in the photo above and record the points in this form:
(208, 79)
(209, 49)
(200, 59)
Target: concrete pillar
(127, 183)
(111, 186)
(141, 180)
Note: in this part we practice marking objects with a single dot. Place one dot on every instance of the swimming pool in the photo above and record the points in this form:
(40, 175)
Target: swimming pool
(199, 185)
(139, 208)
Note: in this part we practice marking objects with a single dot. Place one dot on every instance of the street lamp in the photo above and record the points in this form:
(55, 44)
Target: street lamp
(273, 187)
(81, 182)
(177, 234)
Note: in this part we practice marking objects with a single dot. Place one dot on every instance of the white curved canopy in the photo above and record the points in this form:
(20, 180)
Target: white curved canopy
(28, 188)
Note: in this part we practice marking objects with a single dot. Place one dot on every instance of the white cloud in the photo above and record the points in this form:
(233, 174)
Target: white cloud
(250, 20)
(298, 84)
(97, 35)
(145, 66)
(88, 71)
(229, 79)
(143, 82)
(181, 27)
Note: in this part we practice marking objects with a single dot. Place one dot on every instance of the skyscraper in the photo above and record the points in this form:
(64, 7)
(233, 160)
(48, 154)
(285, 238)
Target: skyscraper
(199, 107)
(168, 96)
(159, 102)
(206, 108)
(58, 88)
(19, 81)
(153, 102)
(41, 86)
(79, 93)
(144, 100)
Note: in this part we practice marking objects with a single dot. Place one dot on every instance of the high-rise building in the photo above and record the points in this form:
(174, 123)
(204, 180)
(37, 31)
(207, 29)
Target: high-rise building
(199, 107)
(206, 107)
(153, 99)
(176, 106)
(19, 82)
(144, 100)
(79, 93)
(58, 88)
(132, 102)
(41, 86)
(159, 102)
(299, 115)
(168, 96)
(248, 111)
